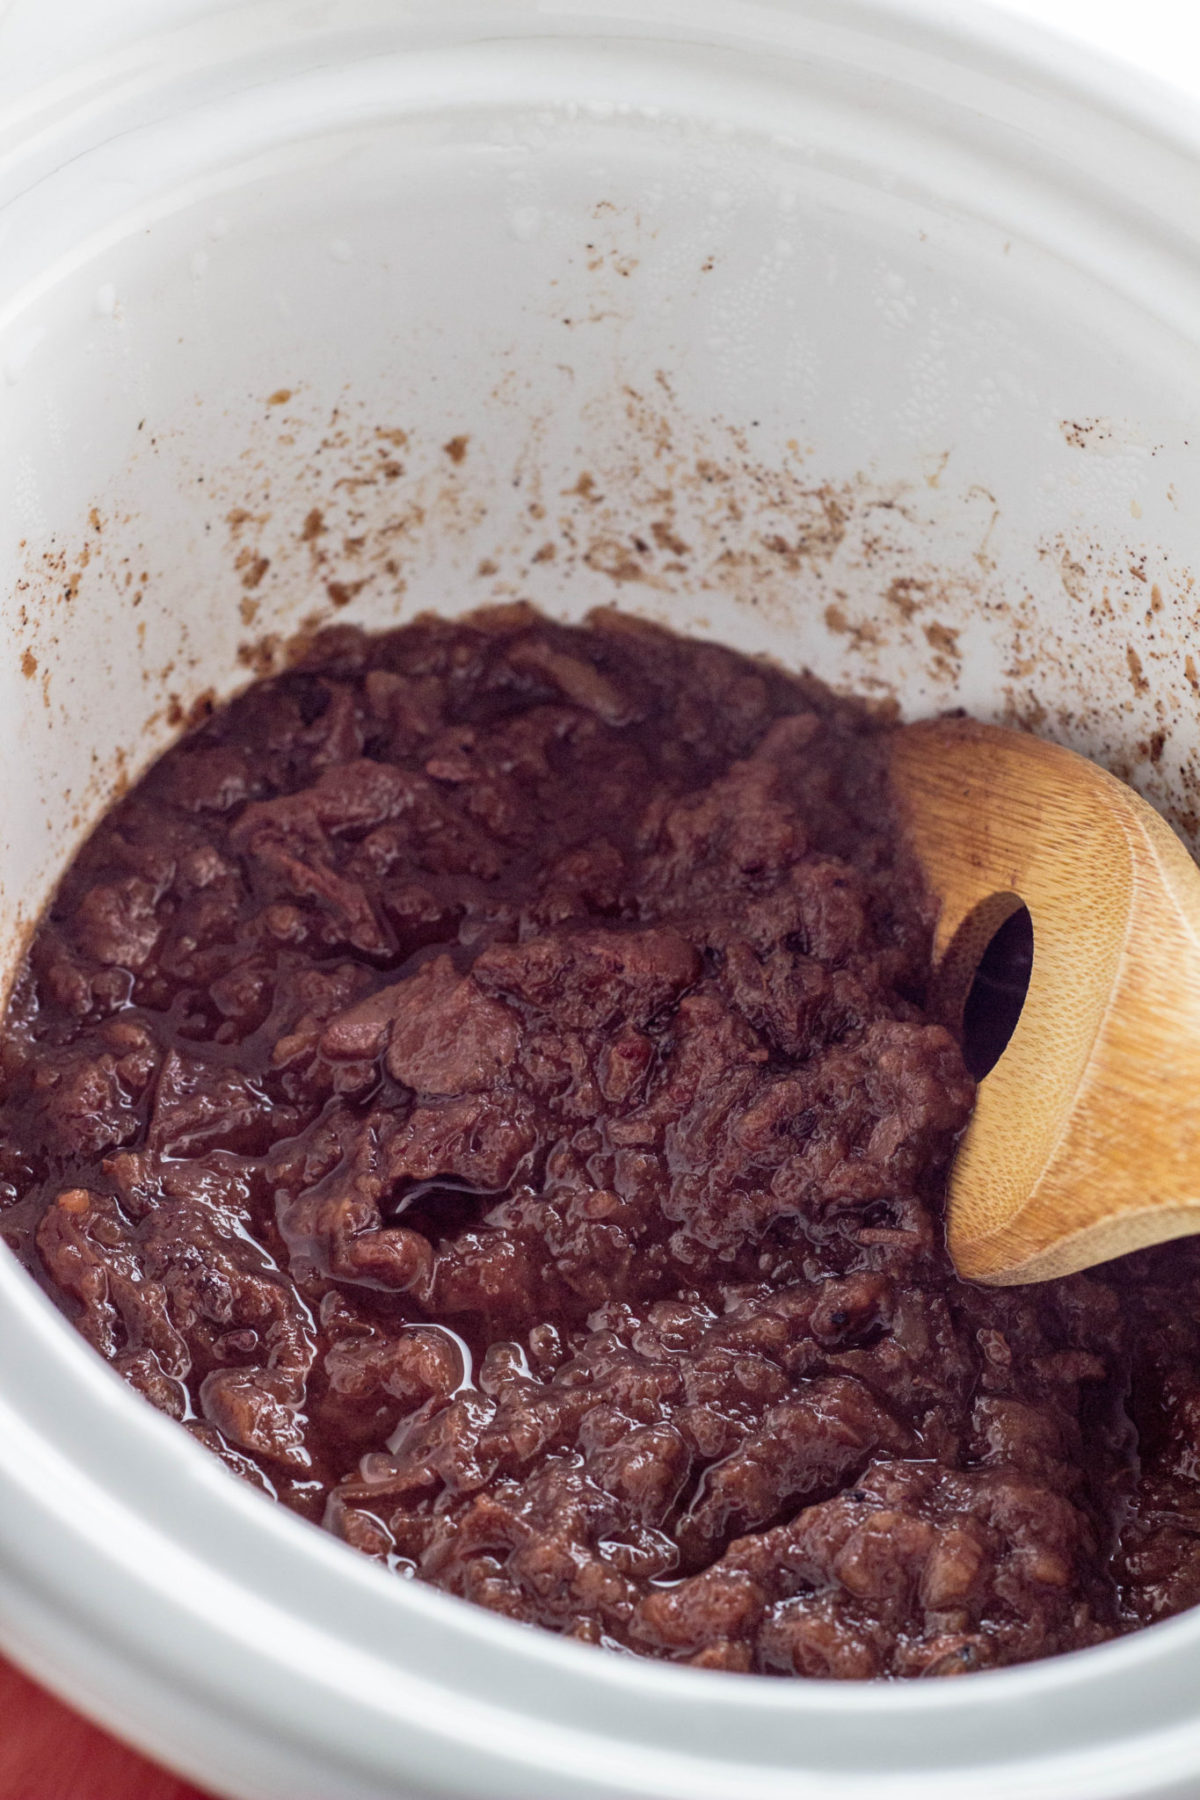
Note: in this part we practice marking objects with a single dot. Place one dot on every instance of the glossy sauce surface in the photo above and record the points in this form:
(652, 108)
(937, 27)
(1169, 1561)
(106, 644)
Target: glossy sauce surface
(479, 1083)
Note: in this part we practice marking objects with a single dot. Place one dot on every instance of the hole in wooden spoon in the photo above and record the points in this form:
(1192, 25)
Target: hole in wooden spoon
(998, 993)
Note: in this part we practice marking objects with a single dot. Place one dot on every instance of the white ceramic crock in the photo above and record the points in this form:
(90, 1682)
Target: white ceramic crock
(863, 333)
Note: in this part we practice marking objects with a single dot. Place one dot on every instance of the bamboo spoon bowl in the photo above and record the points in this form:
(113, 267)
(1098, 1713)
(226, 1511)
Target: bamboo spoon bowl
(1085, 1139)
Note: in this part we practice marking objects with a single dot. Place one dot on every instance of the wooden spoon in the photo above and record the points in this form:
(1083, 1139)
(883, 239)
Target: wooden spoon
(1085, 1140)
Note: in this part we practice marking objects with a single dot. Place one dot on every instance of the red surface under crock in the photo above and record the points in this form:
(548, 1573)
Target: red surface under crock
(49, 1753)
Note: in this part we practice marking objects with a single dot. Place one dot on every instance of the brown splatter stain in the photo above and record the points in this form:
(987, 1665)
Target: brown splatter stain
(1026, 714)
(1136, 674)
(1086, 434)
(122, 779)
(667, 538)
(94, 519)
(862, 633)
(456, 449)
(487, 567)
(248, 609)
(280, 397)
(545, 554)
(313, 527)
(1074, 577)
(1193, 675)
(1154, 747)
(983, 556)
(261, 657)
(611, 557)
(200, 709)
(29, 665)
(818, 536)
(252, 567)
(585, 488)
(907, 595)
(341, 593)
(942, 638)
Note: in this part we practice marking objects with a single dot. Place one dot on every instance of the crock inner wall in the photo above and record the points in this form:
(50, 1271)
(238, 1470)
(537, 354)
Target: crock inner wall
(854, 423)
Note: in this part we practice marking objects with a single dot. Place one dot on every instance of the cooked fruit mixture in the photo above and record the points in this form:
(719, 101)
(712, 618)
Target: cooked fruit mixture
(479, 1084)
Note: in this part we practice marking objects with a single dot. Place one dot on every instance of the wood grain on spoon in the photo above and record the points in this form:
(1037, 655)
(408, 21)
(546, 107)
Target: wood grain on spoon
(1085, 1140)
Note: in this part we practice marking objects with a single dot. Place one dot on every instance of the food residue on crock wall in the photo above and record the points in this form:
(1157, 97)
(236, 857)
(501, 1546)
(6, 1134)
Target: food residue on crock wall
(1088, 434)
(343, 511)
(676, 508)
